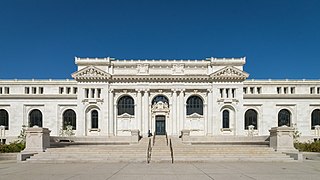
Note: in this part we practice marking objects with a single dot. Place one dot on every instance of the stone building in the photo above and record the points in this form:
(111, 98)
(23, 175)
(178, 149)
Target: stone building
(209, 97)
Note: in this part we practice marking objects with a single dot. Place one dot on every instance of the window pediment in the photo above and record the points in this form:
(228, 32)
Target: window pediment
(195, 115)
(229, 73)
(125, 116)
(91, 73)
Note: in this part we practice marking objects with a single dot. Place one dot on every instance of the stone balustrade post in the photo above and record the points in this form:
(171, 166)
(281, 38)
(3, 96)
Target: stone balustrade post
(185, 135)
(37, 139)
(135, 136)
(317, 130)
(281, 139)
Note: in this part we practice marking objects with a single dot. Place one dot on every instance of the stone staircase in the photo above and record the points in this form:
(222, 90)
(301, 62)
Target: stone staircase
(106, 153)
(224, 151)
(194, 151)
(161, 150)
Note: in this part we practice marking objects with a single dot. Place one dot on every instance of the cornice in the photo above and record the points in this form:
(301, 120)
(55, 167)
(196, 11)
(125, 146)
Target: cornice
(41, 96)
(160, 78)
(281, 96)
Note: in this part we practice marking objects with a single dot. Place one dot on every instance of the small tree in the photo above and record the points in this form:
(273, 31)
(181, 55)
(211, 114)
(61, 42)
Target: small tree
(296, 133)
(22, 135)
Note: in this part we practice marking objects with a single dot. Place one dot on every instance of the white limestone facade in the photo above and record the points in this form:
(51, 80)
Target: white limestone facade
(210, 97)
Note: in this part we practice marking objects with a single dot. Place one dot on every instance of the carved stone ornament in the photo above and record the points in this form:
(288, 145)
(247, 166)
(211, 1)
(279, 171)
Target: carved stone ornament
(229, 73)
(143, 68)
(160, 107)
(178, 69)
(91, 73)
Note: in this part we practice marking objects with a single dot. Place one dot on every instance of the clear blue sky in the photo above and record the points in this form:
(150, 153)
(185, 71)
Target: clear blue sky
(40, 38)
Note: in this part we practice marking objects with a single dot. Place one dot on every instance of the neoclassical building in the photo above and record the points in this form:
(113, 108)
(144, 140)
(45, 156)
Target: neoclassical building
(111, 97)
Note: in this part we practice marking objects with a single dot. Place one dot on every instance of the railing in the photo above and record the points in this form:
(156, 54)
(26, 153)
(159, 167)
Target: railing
(171, 150)
(167, 138)
(149, 151)
(154, 138)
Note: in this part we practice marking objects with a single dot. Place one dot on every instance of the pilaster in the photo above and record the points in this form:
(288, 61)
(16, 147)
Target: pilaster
(139, 110)
(111, 113)
(210, 112)
(174, 112)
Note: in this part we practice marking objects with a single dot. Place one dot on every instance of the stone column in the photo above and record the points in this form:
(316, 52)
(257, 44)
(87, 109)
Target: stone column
(210, 113)
(181, 110)
(281, 139)
(174, 112)
(178, 112)
(145, 111)
(111, 113)
(37, 139)
(139, 110)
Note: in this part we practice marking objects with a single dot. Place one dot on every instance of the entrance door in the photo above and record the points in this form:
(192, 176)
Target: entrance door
(160, 125)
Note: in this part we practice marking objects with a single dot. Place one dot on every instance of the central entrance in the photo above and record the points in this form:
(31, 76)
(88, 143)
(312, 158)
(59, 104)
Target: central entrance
(160, 125)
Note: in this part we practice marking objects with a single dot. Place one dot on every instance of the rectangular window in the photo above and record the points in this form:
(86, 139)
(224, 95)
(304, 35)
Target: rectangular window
(233, 91)
(245, 90)
(292, 90)
(75, 90)
(221, 93)
(318, 90)
(40, 90)
(68, 90)
(312, 90)
(27, 90)
(86, 93)
(61, 90)
(251, 90)
(92, 93)
(34, 90)
(0, 90)
(285, 90)
(259, 90)
(6, 90)
(279, 90)
(99, 93)
(227, 92)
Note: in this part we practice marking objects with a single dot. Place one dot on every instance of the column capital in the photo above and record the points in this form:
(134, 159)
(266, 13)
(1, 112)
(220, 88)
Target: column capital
(111, 90)
(209, 90)
(139, 90)
(174, 90)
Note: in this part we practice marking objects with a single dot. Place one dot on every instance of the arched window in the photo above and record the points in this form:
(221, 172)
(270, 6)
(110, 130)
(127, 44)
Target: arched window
(194, 105)
(251, 118)
(284, 118)
(35, 118)
(4, 119)
(125, 105)
(225, 119)
(94, 119)
(160, 98)
(69, 118)
(315, 118)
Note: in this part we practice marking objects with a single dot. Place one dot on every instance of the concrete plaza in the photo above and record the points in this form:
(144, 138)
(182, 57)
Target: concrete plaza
(220, 170)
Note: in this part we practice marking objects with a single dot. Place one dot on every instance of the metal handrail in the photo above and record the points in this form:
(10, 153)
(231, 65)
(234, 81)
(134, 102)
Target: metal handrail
(171, 150)
(167, 138)
(154, 138)
(149, 151)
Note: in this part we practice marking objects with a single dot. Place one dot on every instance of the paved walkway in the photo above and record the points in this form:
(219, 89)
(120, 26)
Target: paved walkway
(162, 171)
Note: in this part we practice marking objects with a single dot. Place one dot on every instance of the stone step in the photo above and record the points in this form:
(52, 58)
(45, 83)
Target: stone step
(8, 156)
